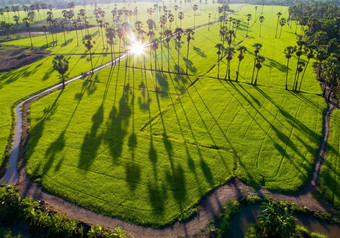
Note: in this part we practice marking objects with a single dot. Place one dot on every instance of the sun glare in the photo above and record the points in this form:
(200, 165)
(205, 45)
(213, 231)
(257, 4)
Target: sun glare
(137, 48)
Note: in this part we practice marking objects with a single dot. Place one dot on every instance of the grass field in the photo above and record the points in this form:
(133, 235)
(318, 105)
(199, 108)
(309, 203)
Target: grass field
(330, 174)
(144, 146)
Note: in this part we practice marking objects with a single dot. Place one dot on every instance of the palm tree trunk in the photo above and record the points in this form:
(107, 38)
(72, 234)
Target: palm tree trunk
(252, 77)
(168, 58)
(46, 40)
(150, 58)
(303, 74)
(287, 74)
(297, 80)
(64, 37)
(63, 80)
(277, 26)
(260, 29)
(280, 31)
(77, 37)
(218, 66)
(257, 74)
(155, 60)
(29, 32)
(102, 37)
(229, 70)
(111, 55)
(187, 64)
(162, 55)
(297, 65)
(91, 61)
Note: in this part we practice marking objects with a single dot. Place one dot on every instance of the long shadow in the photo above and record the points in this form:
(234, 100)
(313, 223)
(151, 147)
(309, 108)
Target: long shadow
(200, 52)
(275, 64)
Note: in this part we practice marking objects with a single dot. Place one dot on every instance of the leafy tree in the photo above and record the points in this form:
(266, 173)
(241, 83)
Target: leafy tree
(331, 72)
(16, 19)
(6, 27)
(275, 221)
(60, 64)
(242, 50)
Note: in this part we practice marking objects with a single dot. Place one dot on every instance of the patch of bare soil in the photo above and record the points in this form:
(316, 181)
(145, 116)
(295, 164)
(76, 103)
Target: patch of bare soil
(16, 57)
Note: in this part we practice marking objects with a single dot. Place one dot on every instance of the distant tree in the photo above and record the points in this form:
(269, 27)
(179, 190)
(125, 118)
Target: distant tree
(189, 32)
(259, 60)
(261, 19)
(195, 8)
(257, 47)
(16, 19)
(248, 20)
(60, 64)
(110, 35)
(220, 48)
(180, 17)
(89, 45)
(27, 23)
(289, 50)
(279, 14)
(242, 50)
(283, 22)
(44, 29)
(229, 51)
(6, 27)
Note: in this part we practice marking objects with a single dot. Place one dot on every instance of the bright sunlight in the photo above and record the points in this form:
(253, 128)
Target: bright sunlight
(137, 48)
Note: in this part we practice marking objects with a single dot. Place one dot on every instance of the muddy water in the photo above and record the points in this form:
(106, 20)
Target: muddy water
(241, 222)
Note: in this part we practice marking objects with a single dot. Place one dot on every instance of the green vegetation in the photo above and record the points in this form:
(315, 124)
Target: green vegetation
(329, 177)
(126, 143)
(41, 221)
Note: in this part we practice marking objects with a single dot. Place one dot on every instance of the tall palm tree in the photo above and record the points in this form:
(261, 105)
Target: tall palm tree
(44, 29)
(167, 35)
(178, 33)
(154, 47)
(180, 17)
(195, 8)
(257, 47)
(229, 51)
(110, 35)
(27, 23)
(89, 45)
(283, 22)
(310, 55)
(301, 44)
(261, 19)
(259, 60)
(60, 64)
(220, 48)
(62, 25)
(288, 51)
(248, 20)
(242, 50)
(75, 27)
(279, 14)
(238, 23)
(189, 32)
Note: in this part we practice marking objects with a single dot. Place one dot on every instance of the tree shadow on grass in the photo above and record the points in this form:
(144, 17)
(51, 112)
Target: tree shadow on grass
(91, 141)
(275, 64)
(67, 42)
(199, 52)
(162, 80)
(190, 65)
(54, 149)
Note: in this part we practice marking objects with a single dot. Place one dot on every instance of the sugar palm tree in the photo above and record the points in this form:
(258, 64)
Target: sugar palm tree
(154, 47)
(310, 55)
(257, 47)
(259, 60)
(248, 20)
(301, 44)
(44, 29)
(110, 35)
(89, 45)
(242, 50)
(60, 64)
(283, 22)
(27, 23)
(220, 48)
(229, 51)
(75, 27)
(189, 32)
(279, 14)
(288, 51)
(167, 35)
(180, 17)
(178, 33)
(261, 19)
(195, 8)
